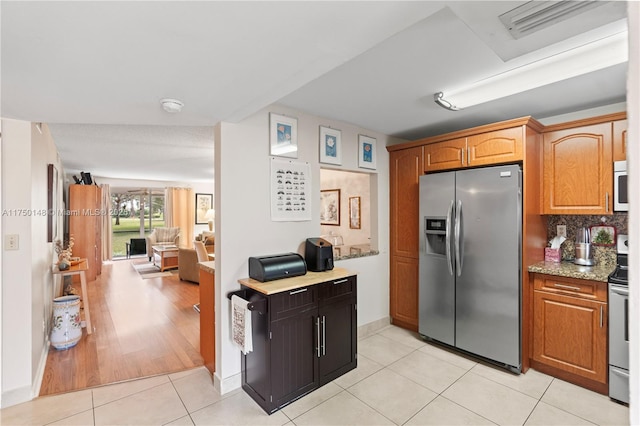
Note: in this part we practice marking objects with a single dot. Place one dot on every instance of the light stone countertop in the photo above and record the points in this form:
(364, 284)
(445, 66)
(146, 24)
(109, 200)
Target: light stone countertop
(288, 284)
(571, 270)
(209, 266)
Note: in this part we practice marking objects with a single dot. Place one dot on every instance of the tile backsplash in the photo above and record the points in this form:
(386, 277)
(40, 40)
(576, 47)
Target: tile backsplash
(602, 255)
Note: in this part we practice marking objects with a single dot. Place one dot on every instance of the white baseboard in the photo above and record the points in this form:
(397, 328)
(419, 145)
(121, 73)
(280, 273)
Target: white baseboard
(41, 366)
(373, 327)
(27, 393)
(228, 384)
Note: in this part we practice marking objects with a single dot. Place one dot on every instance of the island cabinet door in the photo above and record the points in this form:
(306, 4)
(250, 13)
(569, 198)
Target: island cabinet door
(294, 360)
(338, 339)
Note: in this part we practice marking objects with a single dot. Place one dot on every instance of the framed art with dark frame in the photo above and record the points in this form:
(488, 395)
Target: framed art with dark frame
(283, 135)
(330, 146)
(204, 202)
(52, 202)
(330, 207)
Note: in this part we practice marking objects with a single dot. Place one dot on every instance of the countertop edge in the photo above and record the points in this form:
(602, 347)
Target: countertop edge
(209, 266)
(288, 284)
(570, 270)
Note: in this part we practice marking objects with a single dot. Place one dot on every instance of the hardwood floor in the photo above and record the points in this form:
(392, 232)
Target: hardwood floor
(142, 327)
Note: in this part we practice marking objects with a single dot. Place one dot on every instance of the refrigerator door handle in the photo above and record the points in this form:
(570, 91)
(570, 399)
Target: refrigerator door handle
(448, 239)
(457, 236)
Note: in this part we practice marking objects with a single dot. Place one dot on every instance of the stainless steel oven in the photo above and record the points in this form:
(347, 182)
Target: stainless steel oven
(620, 201)
(619, 326)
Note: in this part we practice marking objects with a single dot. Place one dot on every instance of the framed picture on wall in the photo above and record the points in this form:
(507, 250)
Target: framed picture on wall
(330, 207)
(367, 155)
(330, 146)
(354, 213)
(52, 202)
(283, 135)
(204, 202)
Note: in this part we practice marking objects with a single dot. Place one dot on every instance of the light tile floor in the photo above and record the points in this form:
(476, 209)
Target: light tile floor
(399, 380)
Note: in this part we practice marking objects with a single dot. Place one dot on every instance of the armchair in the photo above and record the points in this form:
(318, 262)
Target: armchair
(162, 236)
(188, 261)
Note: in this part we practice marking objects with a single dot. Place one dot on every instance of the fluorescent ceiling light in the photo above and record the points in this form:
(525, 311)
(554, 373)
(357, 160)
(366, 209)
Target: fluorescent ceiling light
(590, 57)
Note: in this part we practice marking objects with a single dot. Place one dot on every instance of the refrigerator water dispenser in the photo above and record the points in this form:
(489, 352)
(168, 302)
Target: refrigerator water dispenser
(435, 229)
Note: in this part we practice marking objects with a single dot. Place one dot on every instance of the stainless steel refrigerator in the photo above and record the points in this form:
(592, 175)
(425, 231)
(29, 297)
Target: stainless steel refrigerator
(470, 261)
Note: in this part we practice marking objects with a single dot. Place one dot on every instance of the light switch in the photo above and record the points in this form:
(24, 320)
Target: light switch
(11, 242)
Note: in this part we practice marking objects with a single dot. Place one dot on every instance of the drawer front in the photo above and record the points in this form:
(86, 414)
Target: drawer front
(593, 290)
(337, 290)
(292, 302)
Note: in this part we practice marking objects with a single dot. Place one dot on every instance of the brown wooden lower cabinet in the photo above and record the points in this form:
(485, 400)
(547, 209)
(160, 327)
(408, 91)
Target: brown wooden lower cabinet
(207, 319)
(570, 330)
(404, 292)
(304, 339)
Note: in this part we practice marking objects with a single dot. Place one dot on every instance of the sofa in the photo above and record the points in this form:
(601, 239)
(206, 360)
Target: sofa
(162, 236)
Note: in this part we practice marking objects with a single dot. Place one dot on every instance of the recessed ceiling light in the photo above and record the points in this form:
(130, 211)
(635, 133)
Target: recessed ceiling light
(171, 105)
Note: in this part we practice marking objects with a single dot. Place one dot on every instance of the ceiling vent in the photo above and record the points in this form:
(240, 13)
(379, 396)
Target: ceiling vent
(536, 15)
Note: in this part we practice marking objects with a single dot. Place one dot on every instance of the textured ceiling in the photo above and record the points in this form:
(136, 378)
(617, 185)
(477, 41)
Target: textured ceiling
(95, 71)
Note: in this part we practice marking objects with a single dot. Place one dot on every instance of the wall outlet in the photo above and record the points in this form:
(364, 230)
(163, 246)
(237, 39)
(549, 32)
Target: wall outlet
(561, 231)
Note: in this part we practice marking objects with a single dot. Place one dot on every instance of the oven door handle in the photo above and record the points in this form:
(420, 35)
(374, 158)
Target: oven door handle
(620, 291)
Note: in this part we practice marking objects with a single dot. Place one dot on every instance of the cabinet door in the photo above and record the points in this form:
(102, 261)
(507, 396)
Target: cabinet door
(404, 292)
(84, 226)
(445, 155)
(406, 168)
(338, 339)
(578, 171)
(570, 333)
(294, 359)
(502, 146)
(620, 140)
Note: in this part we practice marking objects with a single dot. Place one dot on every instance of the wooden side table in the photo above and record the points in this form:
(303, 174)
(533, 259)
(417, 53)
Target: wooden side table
(79, 269)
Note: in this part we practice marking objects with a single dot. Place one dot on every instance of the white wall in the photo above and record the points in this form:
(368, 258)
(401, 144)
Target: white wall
(27, 288)
(244, 227)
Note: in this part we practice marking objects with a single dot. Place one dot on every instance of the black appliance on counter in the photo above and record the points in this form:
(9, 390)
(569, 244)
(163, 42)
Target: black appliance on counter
(276, 266)
(318, 253)
(619, 325)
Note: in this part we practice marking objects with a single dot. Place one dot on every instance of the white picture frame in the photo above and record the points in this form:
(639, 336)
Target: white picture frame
(330, 146)
(283, 135)
(367, 155)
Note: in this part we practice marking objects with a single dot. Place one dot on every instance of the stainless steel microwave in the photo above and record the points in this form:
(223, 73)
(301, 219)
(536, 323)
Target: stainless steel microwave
(621, 202)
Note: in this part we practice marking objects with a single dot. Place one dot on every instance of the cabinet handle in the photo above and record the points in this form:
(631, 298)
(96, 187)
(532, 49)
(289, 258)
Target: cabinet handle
(468, 156)
(340, 281)
(324, 336)
(568, 287)
(462, 159)
(318, 337)
(302, 290)
(606, 199)
(601, 316)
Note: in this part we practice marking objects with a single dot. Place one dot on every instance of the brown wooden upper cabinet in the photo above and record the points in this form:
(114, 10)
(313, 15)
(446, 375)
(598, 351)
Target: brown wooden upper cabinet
(445, 155)
(620, 140)
(578, 170)
(500, 146)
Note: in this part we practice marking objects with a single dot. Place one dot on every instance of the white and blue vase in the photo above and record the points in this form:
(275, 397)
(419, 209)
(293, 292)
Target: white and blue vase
(67, 326)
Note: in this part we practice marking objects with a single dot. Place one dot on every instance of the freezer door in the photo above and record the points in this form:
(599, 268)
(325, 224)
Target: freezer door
(488, 301)
(436, 315)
